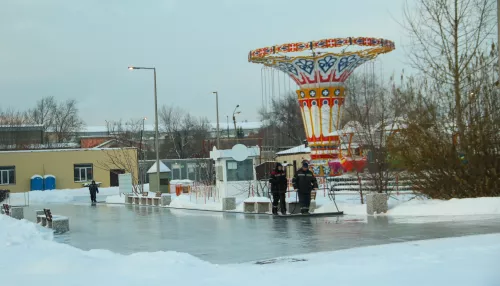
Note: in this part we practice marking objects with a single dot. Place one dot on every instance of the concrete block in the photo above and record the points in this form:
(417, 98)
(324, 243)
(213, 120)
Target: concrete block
(166, 199)
(228, 204)
(248, 207)
(376, 203)
(129, 199)
(17, 212)
(263, 207)
(312, 206)
(60, 225)
(293, 207)
(156, 201)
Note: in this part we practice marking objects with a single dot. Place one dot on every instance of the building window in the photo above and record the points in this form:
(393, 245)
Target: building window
(240, 171)
(84, 172)
(8, 175)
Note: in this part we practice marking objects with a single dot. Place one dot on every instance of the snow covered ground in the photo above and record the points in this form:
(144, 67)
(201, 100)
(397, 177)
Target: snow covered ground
(30, 257)
(58, 196)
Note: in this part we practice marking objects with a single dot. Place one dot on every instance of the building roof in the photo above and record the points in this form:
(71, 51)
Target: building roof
(163, 168)
(151, 127)
(244, 125)
(64, 150)
(302, 149)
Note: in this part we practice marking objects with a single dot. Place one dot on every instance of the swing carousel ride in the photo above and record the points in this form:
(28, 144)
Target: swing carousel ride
(320, 73)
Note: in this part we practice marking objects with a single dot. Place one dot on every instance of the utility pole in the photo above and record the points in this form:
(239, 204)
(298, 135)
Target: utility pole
(217, 111)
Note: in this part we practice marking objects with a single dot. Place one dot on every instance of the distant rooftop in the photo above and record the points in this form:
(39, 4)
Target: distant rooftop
(151, 127)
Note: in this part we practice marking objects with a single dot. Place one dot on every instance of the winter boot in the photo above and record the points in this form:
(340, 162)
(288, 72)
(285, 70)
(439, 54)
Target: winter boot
(275, 210)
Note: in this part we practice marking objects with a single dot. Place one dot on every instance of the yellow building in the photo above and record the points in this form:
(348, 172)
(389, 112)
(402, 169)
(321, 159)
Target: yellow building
(71, 167)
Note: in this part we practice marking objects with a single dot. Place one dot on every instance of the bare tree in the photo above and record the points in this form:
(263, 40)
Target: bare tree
(66, 121)
(121, 159)
(43, 114)
(283, 119)
(447, 35)
(11, 117)
(373, 114)
(184, 132)
(11, 122)
(126, 134)
(441, 168)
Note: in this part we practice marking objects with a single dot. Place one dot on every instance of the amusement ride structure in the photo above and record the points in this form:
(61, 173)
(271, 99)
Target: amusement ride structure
(320, 73)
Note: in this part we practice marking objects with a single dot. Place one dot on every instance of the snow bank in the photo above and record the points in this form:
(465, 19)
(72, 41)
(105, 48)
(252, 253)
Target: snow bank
(29, 256)
(115, 199)
(21, 232)
(422, 207)
(185, 201)
(476, 206)
(57, 196)
(257, 200)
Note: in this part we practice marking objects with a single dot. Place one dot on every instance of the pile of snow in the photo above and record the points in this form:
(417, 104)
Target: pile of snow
(21, 232)
(57, 196)
(115, 199)
(185, 201)
(28, 256)
(257, 200)
(424, 207)
(476, 206)
(181, 182)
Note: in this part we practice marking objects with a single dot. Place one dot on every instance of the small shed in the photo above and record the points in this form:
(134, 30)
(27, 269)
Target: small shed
(164, 186)
(49, 182)
(36, 183)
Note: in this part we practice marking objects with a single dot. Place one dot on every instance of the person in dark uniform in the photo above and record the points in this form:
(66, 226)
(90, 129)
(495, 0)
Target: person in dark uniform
(278, 189)
(304, 182)
(93, 191)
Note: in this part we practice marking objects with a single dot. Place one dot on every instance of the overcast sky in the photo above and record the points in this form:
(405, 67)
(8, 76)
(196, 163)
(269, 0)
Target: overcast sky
(81, 50)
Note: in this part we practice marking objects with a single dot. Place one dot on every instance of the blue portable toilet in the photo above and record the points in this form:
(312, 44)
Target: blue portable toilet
(36, 183)
(49, 182)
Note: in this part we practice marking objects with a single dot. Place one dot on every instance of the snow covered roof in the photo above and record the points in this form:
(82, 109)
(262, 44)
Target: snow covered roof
(302, 149)
(151, 127)
(239, 152)
(163, 168)
(244, 125)
(63, 150)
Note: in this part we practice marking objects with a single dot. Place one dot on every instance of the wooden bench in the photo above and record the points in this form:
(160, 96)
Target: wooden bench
(6, 209)
(60, 224)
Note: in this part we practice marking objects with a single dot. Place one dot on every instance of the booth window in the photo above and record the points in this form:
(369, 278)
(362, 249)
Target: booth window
(83, 172)
(240, 171)
(8, 175)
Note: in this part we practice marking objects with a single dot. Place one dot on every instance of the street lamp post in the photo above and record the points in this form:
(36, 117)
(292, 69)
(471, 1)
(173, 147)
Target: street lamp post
(217, 110)
(234, 121)
(157, 145)
(141, 154)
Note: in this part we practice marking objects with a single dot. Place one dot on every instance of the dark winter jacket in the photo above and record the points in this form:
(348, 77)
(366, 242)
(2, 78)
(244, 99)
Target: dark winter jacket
(304, 181)
(278, 181)
(93, 188)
